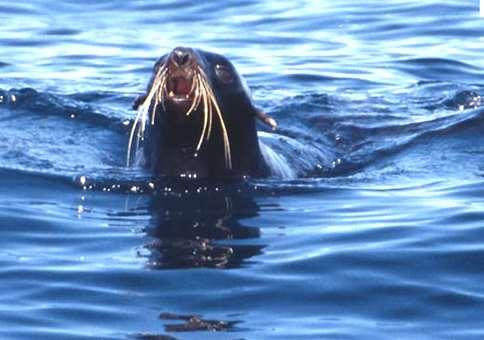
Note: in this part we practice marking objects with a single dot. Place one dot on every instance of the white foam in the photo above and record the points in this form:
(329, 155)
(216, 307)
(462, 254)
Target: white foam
(277, 162)
(289, 158)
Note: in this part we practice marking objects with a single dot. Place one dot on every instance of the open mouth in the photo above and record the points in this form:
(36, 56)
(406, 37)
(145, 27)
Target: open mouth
(180, 88)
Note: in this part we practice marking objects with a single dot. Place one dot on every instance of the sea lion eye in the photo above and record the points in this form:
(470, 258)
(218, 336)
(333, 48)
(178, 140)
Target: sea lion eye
(223, 74)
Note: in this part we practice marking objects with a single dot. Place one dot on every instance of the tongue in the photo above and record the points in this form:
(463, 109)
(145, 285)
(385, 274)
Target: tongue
(182, 86)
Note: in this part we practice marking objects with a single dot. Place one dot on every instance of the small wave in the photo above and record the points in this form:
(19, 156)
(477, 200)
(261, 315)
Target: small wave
(442, 62)
(11, 42)
(356, 134)
(59, 135)
(17, 8)
(62, 31)
(74, 106)
(18, 176)
(440, 69)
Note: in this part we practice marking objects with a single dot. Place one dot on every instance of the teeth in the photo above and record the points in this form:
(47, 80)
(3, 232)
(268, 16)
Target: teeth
(171, 94)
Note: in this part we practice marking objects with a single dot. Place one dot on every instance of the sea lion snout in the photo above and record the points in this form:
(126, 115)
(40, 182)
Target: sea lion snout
(182, 56)
(179, 84)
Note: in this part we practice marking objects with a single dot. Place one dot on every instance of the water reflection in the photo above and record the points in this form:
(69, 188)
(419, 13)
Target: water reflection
(202, 230)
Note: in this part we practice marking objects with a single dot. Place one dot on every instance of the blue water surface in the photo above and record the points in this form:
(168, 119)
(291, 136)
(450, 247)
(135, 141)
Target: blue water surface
(382, 239)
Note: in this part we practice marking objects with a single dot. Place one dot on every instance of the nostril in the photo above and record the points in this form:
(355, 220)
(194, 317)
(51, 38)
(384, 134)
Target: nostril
(184, 59)
(181, 57)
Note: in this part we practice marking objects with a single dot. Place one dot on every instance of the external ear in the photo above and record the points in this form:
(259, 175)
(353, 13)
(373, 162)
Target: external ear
(266, 119)
(138, 101)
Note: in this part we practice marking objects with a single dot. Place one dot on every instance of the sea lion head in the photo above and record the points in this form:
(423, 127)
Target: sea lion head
(199, 118)
(191, 74)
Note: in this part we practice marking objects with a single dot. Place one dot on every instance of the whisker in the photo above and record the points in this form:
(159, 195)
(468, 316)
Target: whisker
(207, 108)
(224, 131)
(214, 104)
(139, 124)
(159, 98)
(196, 98)
(131, 136)
(210, 114)
(228, 157)
(205, 114)
(163, 91)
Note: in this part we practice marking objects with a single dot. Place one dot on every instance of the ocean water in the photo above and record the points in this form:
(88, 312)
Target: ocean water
(377, 234)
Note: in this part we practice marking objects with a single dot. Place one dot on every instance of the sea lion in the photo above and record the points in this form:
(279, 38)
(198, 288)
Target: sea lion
(197, 120)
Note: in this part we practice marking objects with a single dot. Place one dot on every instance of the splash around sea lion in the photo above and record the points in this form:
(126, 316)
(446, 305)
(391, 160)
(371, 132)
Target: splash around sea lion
(197, 120)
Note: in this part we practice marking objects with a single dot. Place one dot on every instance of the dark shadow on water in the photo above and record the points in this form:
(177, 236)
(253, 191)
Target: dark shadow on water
(202, 230)
(191, 323)
(188, 323)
